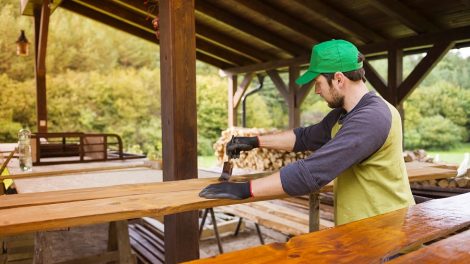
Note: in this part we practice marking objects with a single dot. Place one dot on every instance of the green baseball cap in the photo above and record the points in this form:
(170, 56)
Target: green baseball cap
(331, 56)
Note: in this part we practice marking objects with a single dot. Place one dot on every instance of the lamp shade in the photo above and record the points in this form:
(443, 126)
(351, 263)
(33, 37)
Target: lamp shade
(22, 45)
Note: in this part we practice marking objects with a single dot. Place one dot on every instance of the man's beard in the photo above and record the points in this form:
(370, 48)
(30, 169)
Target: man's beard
(337, 100)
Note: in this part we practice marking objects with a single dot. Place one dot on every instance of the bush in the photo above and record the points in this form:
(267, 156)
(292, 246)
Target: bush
(204, 146)
(434, 132)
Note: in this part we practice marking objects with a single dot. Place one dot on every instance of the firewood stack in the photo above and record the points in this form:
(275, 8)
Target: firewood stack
(259, 159)
(417, 155)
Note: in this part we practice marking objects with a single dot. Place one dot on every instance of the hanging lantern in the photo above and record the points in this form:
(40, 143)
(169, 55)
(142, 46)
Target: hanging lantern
(22, 45)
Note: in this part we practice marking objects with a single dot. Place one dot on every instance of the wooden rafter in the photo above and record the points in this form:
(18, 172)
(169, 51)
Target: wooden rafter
(235, 45)
(136, 31)
(423, 68)
(303, 92)
(253, 30)
(285, 20)
(340, 21)
(220, 52)
(375, 79)
(426, 40)
(410, 17)
(279, 84)
(241, 89)
(43, 34)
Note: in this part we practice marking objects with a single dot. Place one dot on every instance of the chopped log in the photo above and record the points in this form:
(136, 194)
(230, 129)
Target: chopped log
(443, 183)
(462, 182)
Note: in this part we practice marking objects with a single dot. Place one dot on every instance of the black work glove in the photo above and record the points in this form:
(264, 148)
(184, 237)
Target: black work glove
(227, 190)
(237, 144)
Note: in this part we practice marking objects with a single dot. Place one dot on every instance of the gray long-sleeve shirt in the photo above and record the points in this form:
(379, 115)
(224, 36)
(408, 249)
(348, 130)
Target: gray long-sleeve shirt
(363, 131)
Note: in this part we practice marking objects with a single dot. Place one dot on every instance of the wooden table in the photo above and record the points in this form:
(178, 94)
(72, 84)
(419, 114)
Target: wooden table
(375, 239)
(52, 209)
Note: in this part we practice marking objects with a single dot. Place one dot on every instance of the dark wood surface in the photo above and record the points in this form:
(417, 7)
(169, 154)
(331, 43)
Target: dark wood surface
(371, 240)
(179, 121)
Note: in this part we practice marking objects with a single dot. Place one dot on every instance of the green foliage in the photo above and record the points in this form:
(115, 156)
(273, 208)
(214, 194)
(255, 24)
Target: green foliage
(211, 111)
(443, 103)
(434, 132)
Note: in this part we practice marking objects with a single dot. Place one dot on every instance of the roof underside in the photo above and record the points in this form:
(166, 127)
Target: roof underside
(237, 34)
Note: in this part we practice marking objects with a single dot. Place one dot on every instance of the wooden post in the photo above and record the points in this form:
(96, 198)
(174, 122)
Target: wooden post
(314, 212)
(41, 29)
(178, 86)
(232, 110)
(294, 108)
(395, 74)
(118, 240)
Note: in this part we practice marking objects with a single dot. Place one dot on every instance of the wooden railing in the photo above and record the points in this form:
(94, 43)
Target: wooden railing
(74, 147)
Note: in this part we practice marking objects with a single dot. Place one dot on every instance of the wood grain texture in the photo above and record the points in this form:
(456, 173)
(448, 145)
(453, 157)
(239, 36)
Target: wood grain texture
(455, 249)
(42, 211)
(366, 241)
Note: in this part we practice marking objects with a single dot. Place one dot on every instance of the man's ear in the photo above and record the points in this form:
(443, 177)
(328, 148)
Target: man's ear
(339, 78)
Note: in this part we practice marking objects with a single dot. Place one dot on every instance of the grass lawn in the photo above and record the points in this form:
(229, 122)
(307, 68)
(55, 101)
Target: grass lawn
(453, 155)
(206, 161)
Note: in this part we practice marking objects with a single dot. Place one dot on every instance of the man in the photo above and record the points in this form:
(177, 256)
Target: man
(358, 144)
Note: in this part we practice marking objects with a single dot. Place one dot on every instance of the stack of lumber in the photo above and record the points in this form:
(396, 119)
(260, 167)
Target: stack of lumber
(259, 159)
(288, 216)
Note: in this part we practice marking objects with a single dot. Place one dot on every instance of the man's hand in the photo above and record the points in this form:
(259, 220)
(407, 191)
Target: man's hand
(227, 190)
(238, 144)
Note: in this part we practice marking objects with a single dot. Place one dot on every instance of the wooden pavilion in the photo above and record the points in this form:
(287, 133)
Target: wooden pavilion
(245, 37)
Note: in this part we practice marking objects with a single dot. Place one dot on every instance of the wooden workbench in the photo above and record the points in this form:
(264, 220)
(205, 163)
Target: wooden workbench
(31, 212)
(57, 199)
(375, 239)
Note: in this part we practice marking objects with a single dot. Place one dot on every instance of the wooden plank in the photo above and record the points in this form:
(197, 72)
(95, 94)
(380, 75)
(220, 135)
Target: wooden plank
(53, 197)
(58, 170)
(179, 120)
(383, 236)
(455, 249)
(267, 220)
(60, 215)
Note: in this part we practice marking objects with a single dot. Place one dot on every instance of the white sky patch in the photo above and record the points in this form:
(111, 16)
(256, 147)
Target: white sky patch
(463, 52)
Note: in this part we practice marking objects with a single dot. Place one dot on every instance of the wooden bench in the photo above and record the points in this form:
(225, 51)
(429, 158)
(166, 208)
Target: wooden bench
(372, 240)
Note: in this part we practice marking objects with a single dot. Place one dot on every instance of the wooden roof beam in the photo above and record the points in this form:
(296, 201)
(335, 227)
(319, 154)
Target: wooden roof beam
(458, 35)
(258, 32)
(211, 34)
(125, 27)
(424, 67)
(285, 20)
(340, 21)
(222, 53)
(406, 15)
(136, 13)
